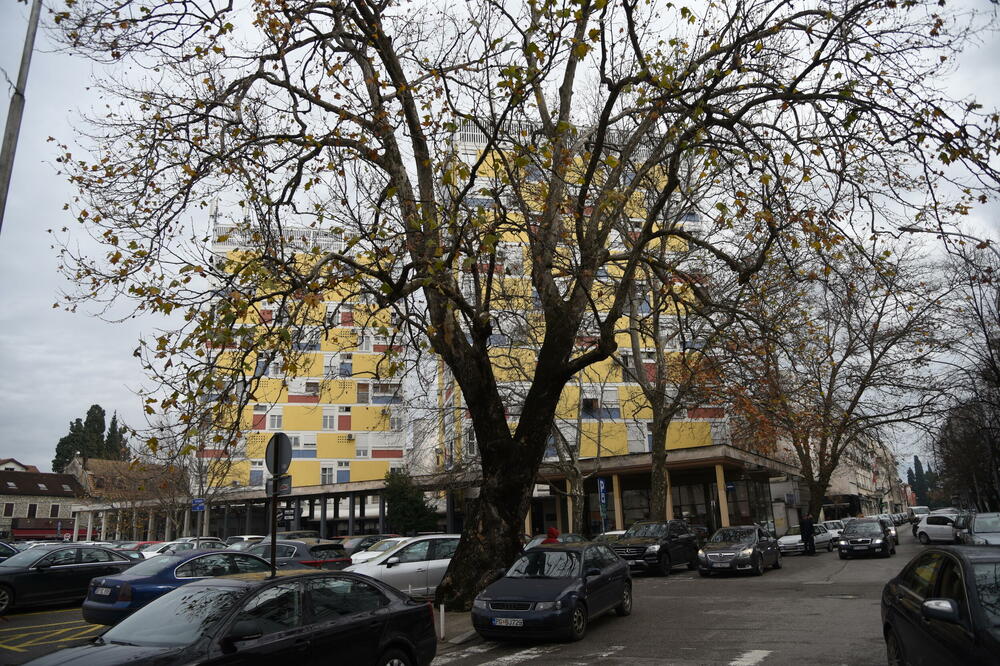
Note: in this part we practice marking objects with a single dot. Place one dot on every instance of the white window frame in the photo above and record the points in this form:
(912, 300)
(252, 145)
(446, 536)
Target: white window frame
(275, 421)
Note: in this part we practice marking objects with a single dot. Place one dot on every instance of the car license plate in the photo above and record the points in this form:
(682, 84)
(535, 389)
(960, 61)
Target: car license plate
(720, 565)
(102, 591)
(508, 622)
(860, 547)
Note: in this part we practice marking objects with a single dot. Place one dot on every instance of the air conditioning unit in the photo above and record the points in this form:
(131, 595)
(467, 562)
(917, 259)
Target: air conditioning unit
(346, 357)
(386, 410)
(350, 436)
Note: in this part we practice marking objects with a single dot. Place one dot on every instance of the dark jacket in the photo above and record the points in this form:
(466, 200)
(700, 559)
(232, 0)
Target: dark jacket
(806, 525)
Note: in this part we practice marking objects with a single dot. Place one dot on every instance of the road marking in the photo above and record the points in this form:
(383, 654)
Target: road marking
(751, 658)
(29, 627)
(47, 612)
(47, 634)
(463, 653)
(524, 655)
(610, 651)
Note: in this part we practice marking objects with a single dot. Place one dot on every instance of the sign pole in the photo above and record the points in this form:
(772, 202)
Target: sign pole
(277, 458)
(274, 528)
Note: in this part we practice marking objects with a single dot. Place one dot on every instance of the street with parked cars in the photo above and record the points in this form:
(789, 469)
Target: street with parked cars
(570, 600)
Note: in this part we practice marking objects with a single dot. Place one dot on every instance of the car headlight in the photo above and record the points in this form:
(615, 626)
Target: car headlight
(548, 605)
(877, 541)
(480, 603)
(746, 552)
(979, 541)
(701, 554)
(655, 548)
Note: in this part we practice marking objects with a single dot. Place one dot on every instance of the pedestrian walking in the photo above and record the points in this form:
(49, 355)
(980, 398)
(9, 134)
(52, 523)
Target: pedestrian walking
(808, 531)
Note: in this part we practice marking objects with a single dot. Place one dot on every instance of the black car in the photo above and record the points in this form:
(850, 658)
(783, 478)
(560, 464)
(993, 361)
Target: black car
(658, 546)
(317, 553)
(944, 608)
(741, 548)
(54, 575)
(554, 590)
(301, 616)
(865, 536)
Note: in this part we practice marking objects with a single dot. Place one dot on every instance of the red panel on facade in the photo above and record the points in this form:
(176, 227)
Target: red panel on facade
(343, 422)
(259, 421)
(347, 319)
(303, 398)
(706, 413)
(266, 316)
(378, 349)
(211, 453)
(387, 453)
(650, 369)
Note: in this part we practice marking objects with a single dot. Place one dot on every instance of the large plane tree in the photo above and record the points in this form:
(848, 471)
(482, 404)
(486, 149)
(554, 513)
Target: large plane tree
(586, 119)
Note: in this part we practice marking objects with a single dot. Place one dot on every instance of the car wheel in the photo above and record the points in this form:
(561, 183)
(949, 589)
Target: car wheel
(693, 562)
(777, 561)
(625, 607)
(893, 650)
(829, 546)
(758, 567)
(843, 555)
(665, 564)
(886, 551)
(6, 599)
(704, 573)
(394, 657)
(578, 623)
(924, 539)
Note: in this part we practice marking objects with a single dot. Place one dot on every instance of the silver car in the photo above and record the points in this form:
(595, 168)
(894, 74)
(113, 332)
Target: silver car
(416, 567)
(792, 541)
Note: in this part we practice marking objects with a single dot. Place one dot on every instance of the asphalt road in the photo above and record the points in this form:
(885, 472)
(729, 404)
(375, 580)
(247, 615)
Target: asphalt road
(814, 610)
(30, 634)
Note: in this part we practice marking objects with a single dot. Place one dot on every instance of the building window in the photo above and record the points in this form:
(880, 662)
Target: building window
(274, 421)
(396, 423)
(32, 510)
(363, 395)
(312, 388)
(67, 488)
(11, 484)
(361, 453)
(598, 404)
(42, 486)
(327, 475)
(386, 394)
(343, 463)
(364, 343)
(295, 440)
(54, 511)
(329, 422)
(8, 509)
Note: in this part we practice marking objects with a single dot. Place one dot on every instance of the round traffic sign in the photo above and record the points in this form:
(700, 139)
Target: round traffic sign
(278, 455)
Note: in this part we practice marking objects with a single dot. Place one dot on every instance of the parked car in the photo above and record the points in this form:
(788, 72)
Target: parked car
(173, 547)
(6, 550)
(297, 534)
(792, 541)
(133, 555)
(134, 545)
(309, 552)
(354, 544)
(890, 525)
(658, 546)
(198, 538)
(609, 536)
(865, 536)
(49, 575)
(944, 608)
(110, 599)
(562, 538)
(980, 529)
(243, 538)
(416, 567)
(833, 527)
(741, 548)
(937, 527)
(302, 616)
(377, 549)
(554, 590)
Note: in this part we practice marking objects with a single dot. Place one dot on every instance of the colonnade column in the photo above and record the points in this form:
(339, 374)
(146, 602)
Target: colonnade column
(720, 483)
(90, 526)
(616, 492)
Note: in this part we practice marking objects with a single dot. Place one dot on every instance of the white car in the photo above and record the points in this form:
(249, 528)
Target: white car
(171, 547)
(414, 568)
(937, 527)
(377, 549)
(792, 541)
(834, 526)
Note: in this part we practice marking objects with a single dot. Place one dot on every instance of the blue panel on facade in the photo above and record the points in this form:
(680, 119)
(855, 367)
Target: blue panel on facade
(256, 477)
(343, 475)
(302, 453)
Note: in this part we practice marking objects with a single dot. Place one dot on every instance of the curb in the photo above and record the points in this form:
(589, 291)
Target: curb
(463, 638)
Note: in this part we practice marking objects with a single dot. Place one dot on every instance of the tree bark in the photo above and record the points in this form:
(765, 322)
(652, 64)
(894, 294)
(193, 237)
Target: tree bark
(658, 474)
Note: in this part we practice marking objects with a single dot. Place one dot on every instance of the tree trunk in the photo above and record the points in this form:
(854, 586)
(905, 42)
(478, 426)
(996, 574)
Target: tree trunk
(578, 499)
(817, 489)
(658, 474)
(492, 536)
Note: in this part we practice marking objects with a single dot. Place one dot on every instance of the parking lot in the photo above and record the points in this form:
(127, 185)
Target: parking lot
(25, 636)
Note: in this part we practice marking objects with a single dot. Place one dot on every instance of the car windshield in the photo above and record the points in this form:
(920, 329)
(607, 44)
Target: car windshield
(988, 587)
(176, 619)
(655, 530)
(862, 529)
(384, 545)
(243, 545)
(987, 522)
(546, 564)
(733, 535)
(794, 530)
(25, 558)
(154, 565)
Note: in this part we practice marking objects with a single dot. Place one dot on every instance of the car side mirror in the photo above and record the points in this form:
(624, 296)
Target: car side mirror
(243, 630)
(392, 561)
(594, 571)
(945, 610)
(43, 565)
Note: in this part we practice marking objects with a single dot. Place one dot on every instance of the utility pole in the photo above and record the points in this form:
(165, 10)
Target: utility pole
(13, 127)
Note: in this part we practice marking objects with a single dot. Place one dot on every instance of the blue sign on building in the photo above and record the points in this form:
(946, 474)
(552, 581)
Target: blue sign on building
(198, 504)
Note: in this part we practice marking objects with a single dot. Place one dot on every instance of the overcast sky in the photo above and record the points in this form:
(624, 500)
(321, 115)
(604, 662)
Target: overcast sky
(56, 364)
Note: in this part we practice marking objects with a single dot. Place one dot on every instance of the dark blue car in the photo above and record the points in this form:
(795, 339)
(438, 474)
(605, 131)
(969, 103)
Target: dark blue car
(110, 599)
